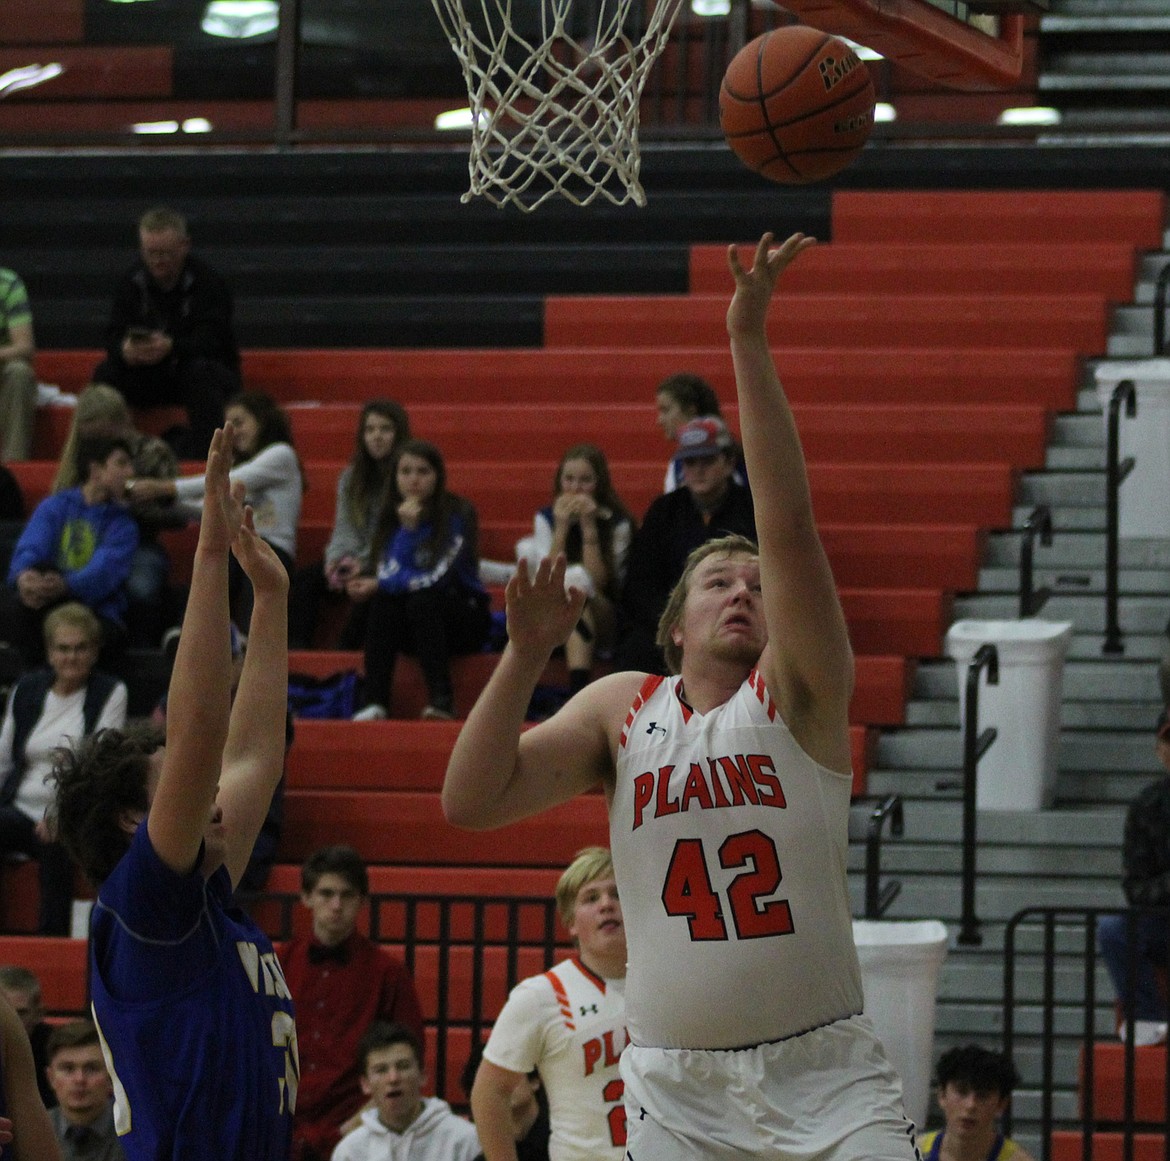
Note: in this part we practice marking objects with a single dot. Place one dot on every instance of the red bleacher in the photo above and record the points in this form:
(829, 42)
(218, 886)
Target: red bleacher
(925, 351)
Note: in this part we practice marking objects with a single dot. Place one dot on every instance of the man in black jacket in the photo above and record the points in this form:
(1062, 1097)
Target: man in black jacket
(1143, 936)
(170, 339)
(710, 504)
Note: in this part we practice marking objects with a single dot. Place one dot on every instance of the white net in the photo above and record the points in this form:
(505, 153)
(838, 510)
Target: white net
(554, 110)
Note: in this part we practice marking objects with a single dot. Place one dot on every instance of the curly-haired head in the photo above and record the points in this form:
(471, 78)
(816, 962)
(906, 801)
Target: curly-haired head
(98, 782)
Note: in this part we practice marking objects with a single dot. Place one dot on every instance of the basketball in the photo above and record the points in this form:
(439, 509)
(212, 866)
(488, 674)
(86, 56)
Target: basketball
(796, 104)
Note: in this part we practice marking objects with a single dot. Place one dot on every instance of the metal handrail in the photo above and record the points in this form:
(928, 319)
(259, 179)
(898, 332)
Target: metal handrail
(1039, 937)
(1160, 287)
(974, 747)
(866, 821)
(1038, 522)
(1116, 471)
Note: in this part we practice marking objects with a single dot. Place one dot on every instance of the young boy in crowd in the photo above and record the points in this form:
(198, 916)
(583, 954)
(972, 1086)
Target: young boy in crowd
(974, 1089)
(341, 983)
(402, 1123)
(83, 1117)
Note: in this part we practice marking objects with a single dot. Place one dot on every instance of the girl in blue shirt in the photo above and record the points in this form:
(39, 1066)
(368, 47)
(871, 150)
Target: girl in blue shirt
(428, 600)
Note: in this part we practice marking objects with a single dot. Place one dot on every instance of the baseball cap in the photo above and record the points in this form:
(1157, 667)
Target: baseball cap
(705, 436)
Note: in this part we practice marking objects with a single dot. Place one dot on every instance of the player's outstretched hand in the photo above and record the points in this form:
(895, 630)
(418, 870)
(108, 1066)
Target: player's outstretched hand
(753, 288)
(541, 613)
(223, 501)
(258, 559)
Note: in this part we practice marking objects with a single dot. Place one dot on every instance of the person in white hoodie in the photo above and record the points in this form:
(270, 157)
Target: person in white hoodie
(402, 1124)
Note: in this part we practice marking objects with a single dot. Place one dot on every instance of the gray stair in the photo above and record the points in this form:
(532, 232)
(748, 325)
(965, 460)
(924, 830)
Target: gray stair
(1067, 856)
(1106, 67)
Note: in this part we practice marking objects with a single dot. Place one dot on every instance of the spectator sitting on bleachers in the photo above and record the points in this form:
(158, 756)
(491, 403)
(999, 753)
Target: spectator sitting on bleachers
(18, 381)
(1142, 937)
(361, 491)
(426, 598)
(974, 1089)
(78, 545)
(710, 504)
(47, 709)
(588, 522)
(101, 410)
(402, 1123)
(268, 466)
(341, 983)
(679, 399)
(21, 988)
(25, 1129)
(83, 1118)
(170, 338)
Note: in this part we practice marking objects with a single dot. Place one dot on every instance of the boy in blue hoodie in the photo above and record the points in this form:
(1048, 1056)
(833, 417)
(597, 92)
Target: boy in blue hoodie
(77, 546)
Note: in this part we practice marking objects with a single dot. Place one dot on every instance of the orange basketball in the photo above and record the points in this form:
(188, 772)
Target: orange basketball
(796, 104)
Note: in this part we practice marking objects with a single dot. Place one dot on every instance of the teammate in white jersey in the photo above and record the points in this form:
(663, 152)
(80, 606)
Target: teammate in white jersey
(728, 787)
(570, 1025)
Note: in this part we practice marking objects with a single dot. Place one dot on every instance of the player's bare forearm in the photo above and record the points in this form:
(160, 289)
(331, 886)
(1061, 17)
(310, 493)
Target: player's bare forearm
(491, 1110)
(253, 757)
(808, 662)
(199, 695)
(485, 757)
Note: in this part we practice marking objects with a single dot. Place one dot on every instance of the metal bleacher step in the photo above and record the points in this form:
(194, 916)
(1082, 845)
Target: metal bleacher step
(1068, 855)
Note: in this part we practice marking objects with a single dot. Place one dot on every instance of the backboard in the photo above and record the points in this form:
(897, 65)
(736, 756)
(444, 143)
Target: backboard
(924, 38)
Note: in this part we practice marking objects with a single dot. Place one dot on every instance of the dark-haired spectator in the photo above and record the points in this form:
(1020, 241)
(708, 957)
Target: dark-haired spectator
(402, 1123)
(267, 465)
(101, 410)
(83, 1118)
(1136, 946)
(18, 381)
(679, 399)
(22, 989)
(170, 340)
(710, 504)
(78, 545)
(588, 522)
(426, 599)
(383, 428)
(47, 709)
(341, 983)
(974, 1089)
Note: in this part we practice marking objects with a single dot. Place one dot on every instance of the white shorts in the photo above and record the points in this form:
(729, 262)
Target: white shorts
(826, 1095)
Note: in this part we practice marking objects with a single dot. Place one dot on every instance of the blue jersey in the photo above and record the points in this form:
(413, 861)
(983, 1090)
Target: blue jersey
(195, 1017)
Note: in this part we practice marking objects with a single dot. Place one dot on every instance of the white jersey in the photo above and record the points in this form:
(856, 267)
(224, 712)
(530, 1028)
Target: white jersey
(729, 847)
(570, 1025)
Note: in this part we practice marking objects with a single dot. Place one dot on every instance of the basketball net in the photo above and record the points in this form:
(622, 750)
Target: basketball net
(555, 115)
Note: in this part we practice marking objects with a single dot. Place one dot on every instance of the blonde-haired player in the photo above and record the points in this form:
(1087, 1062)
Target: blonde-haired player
(728, 788)
(569, 1024)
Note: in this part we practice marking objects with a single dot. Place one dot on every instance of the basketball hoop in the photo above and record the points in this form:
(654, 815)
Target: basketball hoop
(553, 113)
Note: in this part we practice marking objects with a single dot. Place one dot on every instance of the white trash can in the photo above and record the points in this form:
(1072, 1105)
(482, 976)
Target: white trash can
(1142, 510)
(1018, 771)
(900, 965)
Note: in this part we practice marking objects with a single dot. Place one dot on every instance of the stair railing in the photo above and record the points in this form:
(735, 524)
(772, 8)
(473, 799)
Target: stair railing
(1116, 470)
(1160, 286)
(975, 745)
(866, 821)
(1039, 522)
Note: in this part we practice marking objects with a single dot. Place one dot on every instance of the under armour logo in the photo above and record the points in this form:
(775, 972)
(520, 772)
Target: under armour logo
(586, 1010)
(655, 728)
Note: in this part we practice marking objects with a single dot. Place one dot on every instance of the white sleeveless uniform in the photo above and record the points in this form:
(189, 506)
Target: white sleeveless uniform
(729, 846)
(570, 1025)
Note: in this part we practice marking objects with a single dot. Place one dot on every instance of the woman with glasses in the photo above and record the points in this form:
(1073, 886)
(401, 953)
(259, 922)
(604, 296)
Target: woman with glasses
(48, 708)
